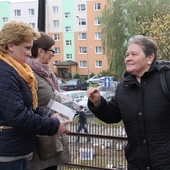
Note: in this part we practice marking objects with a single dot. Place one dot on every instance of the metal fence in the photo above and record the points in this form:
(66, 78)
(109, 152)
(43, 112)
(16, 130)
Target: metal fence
(104, 151)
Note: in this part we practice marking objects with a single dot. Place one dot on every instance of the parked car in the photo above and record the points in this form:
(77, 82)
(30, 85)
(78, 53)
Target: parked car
(95, 79)
(74, 84)
(75, 95)
(106, 94)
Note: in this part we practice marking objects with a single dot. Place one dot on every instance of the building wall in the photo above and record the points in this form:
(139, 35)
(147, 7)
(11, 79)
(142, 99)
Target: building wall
(71, 6)
(4, 12)
(24, 8)
(90, 28)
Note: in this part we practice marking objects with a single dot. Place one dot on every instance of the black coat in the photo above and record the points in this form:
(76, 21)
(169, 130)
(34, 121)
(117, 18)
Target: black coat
(146, 114)
(15, 111)
(82, 117)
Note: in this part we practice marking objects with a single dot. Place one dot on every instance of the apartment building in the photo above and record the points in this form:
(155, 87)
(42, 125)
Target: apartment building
(4, 13)
(75, 27)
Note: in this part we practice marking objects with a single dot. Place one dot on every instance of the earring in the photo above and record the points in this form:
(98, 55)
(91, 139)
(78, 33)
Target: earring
(149, 62)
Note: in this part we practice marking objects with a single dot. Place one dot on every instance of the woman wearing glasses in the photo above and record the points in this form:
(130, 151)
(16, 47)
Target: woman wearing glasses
(42, 53)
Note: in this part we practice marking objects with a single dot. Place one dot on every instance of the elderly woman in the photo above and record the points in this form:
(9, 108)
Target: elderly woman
(142, 105)
(20, 117)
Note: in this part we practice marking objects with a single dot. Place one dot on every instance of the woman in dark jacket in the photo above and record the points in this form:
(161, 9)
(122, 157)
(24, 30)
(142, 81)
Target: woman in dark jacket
(20, 117)
(142, 105)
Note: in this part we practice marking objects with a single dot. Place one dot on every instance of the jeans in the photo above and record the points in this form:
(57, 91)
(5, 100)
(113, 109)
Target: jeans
(21, 164)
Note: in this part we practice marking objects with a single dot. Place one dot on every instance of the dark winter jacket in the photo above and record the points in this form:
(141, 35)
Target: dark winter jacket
(16, 111)
(82, 117)
(146, 114)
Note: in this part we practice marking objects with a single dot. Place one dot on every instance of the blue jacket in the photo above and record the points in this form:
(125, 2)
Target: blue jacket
(16, 111)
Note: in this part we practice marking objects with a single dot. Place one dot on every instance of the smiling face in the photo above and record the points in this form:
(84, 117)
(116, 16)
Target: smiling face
(136, 61)
(20, 52)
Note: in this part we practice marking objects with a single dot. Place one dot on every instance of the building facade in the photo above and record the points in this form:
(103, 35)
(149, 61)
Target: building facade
(75, 27)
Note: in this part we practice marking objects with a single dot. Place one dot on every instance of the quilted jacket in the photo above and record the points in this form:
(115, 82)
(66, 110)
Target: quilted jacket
(16, 111)
(145, 112)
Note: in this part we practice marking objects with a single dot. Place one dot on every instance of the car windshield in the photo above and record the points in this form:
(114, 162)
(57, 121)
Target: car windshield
(85, 98)
(72, 82)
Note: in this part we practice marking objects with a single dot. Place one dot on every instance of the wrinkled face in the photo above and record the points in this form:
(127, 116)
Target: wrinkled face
(46, 55)
(136, 62)
(20, 52)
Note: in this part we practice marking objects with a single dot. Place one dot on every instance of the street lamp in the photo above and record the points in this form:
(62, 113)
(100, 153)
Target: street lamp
(87, 49)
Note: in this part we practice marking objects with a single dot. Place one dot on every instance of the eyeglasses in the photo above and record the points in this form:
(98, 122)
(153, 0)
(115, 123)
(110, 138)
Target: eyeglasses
(53, 52)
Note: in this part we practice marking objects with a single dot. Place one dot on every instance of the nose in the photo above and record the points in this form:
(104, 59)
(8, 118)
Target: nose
(29, 54)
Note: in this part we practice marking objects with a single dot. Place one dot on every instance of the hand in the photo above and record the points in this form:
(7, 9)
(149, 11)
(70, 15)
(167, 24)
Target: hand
(63, 127)
(94, 96)
(57, 115)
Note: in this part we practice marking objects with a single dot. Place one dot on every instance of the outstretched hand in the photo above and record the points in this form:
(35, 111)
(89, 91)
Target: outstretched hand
(63, 128)
(94, 96)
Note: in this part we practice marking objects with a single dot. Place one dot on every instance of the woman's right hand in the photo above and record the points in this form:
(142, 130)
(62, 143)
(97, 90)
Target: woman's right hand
(94, 96)
(63, 128)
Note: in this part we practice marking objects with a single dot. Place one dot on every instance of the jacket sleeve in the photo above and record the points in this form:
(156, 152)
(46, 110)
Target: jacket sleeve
(15, 95)
(107, 112)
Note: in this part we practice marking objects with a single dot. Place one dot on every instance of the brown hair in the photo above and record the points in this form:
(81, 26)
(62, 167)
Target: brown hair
(44, 42)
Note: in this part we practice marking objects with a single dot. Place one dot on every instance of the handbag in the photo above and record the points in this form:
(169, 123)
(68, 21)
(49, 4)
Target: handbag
(48, 146)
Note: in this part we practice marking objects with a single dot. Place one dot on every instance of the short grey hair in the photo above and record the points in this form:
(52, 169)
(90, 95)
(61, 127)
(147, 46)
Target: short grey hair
(148, 45)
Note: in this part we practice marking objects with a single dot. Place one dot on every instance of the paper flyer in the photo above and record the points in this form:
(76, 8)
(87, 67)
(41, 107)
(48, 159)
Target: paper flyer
(60, 108)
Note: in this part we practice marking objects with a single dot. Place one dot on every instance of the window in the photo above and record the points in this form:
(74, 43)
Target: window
(57, 50)
(56, 62)
(98, 64)
(82, 21)
(98, 50)
(81, 7)
(69, 56)
(96, 21)
(4, 19)
(56, 37)
(97, 35)
(32, 24)
(55, 23)
(55, 9)
(83, 64)
(17, 13)
(68, 29)
(82, 50)
(68, 42)
(97, 6)
(67, 14)
(31, 12)
(82, 36)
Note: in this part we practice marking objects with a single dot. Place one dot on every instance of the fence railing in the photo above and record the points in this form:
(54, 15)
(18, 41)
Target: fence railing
(104, 151)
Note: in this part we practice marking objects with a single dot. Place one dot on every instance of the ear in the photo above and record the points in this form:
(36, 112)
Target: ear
(40, 51)
(10, 47)
(151, 58)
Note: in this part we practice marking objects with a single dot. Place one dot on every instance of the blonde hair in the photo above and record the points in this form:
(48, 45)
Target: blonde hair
(16, 33)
